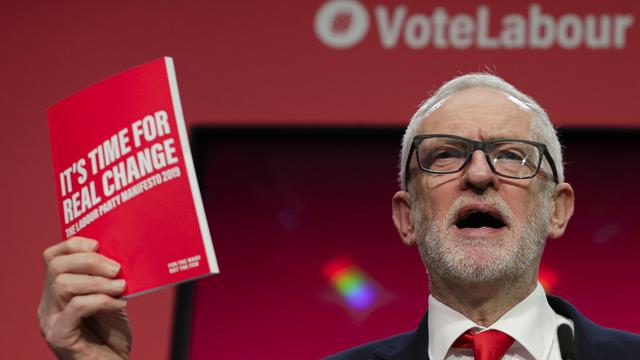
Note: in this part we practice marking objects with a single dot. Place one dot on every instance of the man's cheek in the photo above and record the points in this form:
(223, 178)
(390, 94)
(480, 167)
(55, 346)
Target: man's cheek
(427, 208)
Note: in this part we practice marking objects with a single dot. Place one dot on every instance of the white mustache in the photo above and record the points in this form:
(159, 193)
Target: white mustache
(492, 199)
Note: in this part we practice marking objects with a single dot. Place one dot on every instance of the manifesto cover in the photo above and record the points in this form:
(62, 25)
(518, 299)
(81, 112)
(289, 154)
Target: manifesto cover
(125, 177)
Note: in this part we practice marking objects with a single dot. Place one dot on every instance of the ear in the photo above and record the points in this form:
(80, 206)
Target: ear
(401, 206)
(563, 201)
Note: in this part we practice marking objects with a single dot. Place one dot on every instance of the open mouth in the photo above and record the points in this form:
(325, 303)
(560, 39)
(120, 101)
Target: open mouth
(476, 219)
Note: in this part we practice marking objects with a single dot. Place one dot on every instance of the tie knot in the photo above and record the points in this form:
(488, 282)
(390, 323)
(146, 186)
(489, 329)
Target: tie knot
(486, 345)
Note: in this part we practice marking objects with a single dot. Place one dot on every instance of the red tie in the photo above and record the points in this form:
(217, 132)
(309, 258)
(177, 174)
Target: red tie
(486, 345)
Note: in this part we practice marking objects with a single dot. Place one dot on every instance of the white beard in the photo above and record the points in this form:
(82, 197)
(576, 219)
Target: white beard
(465, 260)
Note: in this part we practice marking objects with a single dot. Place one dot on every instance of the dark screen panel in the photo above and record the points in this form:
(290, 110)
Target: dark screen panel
(310, 260)
(594, 265)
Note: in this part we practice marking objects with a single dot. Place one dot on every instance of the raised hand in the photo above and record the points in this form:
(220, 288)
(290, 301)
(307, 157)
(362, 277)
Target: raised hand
(80, 316)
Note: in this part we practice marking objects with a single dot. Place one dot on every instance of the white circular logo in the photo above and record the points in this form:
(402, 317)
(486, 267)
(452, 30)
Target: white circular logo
(341, 24)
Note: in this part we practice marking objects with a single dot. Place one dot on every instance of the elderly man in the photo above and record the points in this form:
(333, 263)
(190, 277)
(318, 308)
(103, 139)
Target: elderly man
(482, 188)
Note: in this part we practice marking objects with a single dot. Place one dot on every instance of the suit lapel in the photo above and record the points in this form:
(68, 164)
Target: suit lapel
(415, 346)
(592, 340)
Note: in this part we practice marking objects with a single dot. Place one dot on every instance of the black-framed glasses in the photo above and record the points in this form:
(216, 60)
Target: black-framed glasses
(510, 158)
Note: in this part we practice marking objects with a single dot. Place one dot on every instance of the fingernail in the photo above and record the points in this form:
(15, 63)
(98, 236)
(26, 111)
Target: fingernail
(122, 303)
(118, 284)
(92, 245)
(114, 267)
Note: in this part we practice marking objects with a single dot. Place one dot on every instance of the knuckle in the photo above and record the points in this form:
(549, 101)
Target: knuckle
(72, 245)
(48, 336)
(73, 242)
(55, 267)
(41, 314)
(101, 284)
(47, 255)
(79, 243)
(61, 285)
(91, 260)
(103, 301)
(86, 261)
(51, 337)
(46, 324)
(77, 304)
(44, 327)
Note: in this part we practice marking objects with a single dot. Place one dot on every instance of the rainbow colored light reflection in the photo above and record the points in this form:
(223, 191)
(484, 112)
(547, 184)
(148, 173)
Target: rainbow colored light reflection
(352, 283)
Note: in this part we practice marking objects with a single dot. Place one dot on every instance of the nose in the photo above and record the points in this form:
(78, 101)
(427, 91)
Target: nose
(477, 175)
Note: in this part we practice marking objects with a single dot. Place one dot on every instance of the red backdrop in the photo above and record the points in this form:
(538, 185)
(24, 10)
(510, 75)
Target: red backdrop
(260, 62)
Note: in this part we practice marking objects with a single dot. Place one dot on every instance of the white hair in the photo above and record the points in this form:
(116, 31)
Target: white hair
(541, 127)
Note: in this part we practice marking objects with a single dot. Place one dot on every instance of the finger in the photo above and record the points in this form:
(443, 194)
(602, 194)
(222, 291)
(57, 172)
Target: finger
(72, 245)
(65, 286)
(86, 263)
(80, 307)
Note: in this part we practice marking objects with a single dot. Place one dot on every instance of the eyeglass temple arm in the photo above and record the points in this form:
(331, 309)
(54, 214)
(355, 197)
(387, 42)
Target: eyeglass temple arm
(553, 165)
(406, 166)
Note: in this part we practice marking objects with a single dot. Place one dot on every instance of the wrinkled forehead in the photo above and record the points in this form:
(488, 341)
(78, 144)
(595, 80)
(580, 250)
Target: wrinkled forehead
(479, 113)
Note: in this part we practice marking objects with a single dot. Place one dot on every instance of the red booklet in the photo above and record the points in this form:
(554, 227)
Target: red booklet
(125, 177)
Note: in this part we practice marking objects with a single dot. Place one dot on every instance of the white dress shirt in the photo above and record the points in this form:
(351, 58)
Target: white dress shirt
(532, 323)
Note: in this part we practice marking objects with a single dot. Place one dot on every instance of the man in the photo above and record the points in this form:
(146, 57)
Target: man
(482, 188)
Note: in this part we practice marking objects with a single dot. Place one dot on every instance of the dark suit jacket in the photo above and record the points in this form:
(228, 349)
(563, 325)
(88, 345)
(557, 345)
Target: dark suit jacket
(592, 341)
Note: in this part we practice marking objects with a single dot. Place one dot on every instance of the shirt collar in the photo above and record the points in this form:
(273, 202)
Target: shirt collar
(534, 312)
